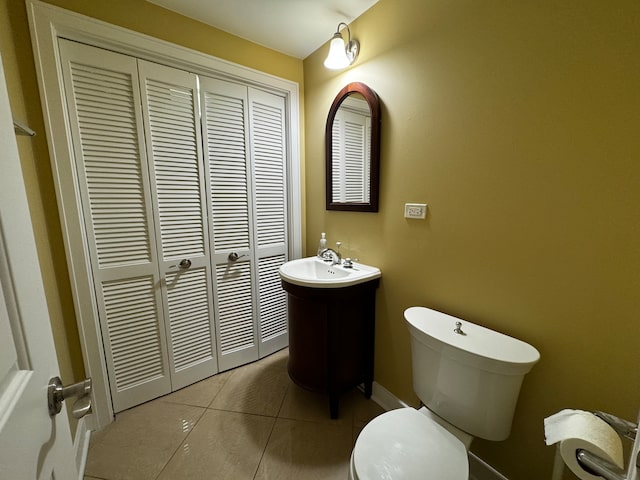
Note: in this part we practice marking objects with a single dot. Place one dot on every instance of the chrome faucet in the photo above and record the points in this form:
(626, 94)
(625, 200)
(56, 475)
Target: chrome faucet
(330, 255)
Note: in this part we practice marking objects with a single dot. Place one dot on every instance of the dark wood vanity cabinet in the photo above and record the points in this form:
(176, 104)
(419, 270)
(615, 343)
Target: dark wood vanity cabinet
(331, 338)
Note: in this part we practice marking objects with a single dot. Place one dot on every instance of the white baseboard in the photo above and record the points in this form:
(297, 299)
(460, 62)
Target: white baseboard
(81, 446)
(478, 468)
(385, 398)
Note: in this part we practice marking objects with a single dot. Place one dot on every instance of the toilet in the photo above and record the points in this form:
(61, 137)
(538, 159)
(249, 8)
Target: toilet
(468, 378)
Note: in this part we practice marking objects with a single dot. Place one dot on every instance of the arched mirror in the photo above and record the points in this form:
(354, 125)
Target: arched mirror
(352, 139)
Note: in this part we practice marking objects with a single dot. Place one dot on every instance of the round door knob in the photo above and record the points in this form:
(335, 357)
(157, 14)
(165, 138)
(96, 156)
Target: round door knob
(184, 264)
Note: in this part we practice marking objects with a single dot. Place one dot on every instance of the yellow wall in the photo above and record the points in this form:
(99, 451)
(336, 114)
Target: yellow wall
(518, 123)
(15, 47)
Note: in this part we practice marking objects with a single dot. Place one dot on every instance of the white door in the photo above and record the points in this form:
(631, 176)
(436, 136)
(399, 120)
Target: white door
(170, 105)
(105, 110)
(33, 445)
(245, 150)
(269, 186)
(226, 145)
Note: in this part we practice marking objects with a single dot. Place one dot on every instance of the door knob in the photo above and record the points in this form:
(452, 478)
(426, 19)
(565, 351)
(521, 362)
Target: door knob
(233, 256)
(184, 264)
(57, 393)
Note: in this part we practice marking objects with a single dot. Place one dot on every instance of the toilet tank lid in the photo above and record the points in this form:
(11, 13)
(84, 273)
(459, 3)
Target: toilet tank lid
(404, 444)
(502, 351)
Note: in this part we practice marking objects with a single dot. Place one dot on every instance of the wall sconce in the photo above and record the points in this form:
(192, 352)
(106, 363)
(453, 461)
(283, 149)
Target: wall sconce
(341, 55)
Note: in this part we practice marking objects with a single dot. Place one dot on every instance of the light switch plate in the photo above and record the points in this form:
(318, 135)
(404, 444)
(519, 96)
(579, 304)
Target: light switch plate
(415, 210)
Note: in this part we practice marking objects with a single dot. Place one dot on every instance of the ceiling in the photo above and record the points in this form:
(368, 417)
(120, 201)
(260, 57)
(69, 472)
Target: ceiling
(294, 27)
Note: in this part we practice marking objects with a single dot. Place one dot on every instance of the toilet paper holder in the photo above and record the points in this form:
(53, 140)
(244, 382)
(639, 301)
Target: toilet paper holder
(597, 466)
(625, 428)
(594, 464)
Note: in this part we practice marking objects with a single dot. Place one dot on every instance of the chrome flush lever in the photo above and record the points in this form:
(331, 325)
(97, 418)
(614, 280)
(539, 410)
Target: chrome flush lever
(458, 329)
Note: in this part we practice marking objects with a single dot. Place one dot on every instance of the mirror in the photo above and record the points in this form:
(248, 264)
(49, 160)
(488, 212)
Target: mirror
(352, 149)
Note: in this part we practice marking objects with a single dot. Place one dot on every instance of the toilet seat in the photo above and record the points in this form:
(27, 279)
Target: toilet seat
(404, 444)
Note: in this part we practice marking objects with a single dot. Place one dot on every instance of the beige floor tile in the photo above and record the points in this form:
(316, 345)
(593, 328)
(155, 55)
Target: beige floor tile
(223, 445)
(199, 394)
(141, 441)
(257, 388)
(306, 450)
(159, 438)
(363, 410)
(301, 404)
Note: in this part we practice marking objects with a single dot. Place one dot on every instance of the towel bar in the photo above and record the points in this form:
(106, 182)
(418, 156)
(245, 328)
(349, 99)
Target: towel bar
(21, 129)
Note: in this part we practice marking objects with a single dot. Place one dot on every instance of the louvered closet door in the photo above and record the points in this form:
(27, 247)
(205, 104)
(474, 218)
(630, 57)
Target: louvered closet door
(224, 121)
(171, 106)
(268, 164)
(103, 101)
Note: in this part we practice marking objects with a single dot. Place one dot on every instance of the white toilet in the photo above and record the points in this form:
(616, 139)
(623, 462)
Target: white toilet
(468, 377)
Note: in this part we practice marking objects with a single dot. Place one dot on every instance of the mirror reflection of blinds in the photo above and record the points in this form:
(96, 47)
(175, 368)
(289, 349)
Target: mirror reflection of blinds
(351, 157)
(354, 160)
(336, 159)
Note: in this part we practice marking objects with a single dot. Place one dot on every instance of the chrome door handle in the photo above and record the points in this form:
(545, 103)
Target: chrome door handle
(233, 256)
(57, 393)
(184, 264)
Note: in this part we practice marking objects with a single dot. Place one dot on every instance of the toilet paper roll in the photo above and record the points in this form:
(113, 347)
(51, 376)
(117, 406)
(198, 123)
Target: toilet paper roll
(577, 429)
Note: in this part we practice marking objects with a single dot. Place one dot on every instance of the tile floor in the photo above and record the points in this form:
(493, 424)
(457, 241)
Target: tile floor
(248, 423)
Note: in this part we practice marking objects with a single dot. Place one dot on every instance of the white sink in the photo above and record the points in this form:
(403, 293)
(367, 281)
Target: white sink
(314, 272)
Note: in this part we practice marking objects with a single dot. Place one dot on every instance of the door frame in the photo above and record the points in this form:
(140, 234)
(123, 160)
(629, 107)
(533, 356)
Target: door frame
(48, 23)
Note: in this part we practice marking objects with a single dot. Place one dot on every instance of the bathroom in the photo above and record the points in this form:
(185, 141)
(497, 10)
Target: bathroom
(525, 111)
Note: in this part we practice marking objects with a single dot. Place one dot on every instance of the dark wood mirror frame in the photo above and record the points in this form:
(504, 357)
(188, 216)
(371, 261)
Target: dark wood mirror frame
(374, 175)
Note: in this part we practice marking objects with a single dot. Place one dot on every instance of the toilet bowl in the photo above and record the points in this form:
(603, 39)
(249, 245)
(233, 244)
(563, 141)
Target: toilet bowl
(406, 444)
(468, 377)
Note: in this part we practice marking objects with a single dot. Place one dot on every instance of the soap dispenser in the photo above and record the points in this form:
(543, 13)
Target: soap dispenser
(322, 246)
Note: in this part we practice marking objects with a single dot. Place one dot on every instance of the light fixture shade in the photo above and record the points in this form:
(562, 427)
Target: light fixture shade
(337, 57)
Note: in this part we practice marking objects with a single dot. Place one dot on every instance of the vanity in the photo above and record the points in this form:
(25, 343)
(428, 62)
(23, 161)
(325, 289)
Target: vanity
(331, 312)
(331, 326)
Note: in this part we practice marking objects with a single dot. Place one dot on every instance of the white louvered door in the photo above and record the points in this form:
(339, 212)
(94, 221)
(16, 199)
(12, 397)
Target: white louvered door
(268, 165)
(171, 109)
(175, 173)
(245, 148)
(104, 106)
(224, 121)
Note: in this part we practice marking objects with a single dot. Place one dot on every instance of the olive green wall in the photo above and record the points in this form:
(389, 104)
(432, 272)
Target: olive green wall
(15, 47)
(518, 123)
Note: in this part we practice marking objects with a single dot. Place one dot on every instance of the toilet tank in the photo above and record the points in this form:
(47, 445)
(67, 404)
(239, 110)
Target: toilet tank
(470, 376)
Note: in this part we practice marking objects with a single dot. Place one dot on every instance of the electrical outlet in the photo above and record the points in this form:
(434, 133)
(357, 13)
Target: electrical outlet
(415, 210)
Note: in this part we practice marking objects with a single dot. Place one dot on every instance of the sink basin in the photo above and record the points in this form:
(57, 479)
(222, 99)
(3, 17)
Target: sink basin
(316, 273)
